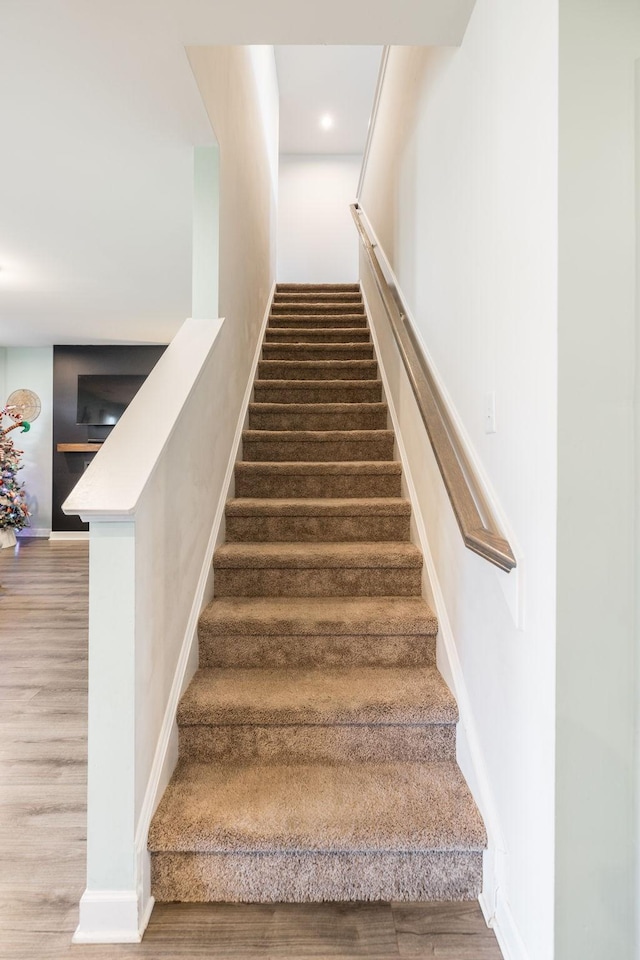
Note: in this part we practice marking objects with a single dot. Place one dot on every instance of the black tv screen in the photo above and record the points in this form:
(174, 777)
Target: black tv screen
(103, 398)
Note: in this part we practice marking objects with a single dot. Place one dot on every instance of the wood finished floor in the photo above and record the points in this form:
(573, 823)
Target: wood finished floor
(43, 702)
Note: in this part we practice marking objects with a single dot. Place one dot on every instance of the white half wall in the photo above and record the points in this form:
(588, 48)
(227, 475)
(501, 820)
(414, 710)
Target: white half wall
(460, 189)
(317, 240)
(32, 367)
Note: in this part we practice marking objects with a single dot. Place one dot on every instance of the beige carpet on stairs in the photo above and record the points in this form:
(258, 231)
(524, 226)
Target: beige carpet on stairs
(317, 738)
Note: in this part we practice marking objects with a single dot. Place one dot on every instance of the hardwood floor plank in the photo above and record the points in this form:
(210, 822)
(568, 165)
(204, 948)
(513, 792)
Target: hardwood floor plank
(43, 665)
(15, 691)
(456, 931)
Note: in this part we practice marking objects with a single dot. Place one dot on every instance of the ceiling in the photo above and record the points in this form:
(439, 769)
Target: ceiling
(100, 113)
(318, 81)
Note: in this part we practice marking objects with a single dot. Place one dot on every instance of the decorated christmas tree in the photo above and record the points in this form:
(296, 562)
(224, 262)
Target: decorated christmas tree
(14, 512)
(22, 407)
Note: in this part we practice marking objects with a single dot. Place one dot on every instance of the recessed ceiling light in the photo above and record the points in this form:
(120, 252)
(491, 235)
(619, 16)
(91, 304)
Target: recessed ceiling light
(326, 121)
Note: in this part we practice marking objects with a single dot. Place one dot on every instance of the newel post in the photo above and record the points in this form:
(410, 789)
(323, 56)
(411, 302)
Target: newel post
(110, 901)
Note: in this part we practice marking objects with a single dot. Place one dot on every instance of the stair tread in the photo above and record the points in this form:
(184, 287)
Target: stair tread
(353, 294)
(310, 384)
(285, 286)
(329, 695)
(283, 351)
(315, 506)
(318, 555)
(359, 405)
(303, 344)
(316, 436)
(354, 305)
(315, 384)
(302, 292)
(331, 364)
(320, 467)
(357, 332)
(320, 307)
(365, 807)
(314, 616)
(321, 364)
(317, 321)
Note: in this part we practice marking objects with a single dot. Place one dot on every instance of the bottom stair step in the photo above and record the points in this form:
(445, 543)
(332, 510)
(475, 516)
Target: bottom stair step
(269, 832)
(315, 877)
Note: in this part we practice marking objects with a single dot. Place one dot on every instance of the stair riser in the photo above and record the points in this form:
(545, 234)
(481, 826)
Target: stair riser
(316, 322)
(324, 582)
(353, 419)
(309, 529)
(320, 351)
(318, 370)
(315, 877)
(337, 297)
(323, 335)
(302, 485)
(318, 308)
(318, 451)
(317, 288)
(291, 392)
(255, 743)
(315, 650)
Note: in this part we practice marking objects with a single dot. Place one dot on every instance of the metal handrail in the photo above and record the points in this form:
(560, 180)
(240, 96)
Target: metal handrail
(478, 532)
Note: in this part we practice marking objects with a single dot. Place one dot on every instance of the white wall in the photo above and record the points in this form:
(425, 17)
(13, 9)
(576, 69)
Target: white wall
(317, 240)
(245, 125)
(461, 191)
(32, 367)
(206, 232)
(265, 74)
(597, 801)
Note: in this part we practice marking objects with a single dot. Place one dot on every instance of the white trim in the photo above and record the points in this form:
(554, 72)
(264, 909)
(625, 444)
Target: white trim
(503, 924)
(110, 916)
(70, 534)
(468, 740)
(512, 584)
(165, 757)
(34, 532)
(372, 120)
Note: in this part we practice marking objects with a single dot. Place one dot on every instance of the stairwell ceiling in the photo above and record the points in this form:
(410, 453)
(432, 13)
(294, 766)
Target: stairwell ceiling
(316, 81)
(99, 115)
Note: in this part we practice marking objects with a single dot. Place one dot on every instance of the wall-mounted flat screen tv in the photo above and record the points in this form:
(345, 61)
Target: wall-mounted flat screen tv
(103, 398)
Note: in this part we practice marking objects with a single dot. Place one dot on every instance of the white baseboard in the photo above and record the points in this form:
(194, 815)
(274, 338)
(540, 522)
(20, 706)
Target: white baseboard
(166, 754)
(34, 532)
(111, 916)
(503, 924)
(69, 535)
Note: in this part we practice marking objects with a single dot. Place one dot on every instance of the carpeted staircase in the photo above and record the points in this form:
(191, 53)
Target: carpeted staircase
(317, 739)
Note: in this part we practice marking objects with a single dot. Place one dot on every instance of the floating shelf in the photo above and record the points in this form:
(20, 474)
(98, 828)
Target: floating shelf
(78, 447)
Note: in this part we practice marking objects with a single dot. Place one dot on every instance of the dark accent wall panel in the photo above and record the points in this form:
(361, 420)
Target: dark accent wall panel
(68, 363)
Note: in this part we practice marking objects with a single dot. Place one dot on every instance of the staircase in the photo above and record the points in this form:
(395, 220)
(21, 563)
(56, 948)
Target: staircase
(317, 739)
